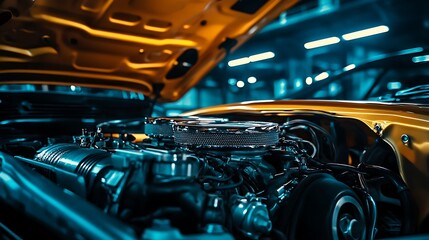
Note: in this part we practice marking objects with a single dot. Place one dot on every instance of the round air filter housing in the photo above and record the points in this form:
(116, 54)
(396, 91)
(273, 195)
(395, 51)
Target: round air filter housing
(162, 127)
(233, 134)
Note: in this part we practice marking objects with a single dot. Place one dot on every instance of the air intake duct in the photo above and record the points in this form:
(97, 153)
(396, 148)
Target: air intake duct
(75, 168)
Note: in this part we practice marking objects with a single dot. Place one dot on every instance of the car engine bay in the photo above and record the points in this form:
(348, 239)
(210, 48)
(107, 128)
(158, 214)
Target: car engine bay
(211, 178)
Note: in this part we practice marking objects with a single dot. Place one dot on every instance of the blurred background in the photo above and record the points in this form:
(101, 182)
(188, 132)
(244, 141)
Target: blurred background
(323, 40)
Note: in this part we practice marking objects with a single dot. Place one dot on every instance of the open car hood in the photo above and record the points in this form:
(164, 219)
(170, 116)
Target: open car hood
(161, 47)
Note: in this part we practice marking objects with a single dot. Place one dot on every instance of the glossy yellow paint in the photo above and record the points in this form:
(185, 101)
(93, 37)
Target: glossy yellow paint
(32, 52)
(135, 41)
(138, 136)
(113, 35)
(395, 120)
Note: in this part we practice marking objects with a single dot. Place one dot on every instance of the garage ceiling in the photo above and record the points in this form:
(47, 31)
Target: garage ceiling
(408, 22)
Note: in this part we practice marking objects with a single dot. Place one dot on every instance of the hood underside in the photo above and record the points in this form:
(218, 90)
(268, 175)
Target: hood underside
(163, 46)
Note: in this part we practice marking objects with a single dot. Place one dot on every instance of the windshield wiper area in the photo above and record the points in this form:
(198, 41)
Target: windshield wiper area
(417, 92)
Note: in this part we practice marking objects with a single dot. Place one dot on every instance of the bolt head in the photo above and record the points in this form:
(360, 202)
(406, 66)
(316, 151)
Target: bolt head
(378, 128)
(405, 139)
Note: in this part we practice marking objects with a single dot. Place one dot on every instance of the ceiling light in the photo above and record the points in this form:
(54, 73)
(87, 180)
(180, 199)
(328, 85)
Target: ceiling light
(252, 80)
(283, 18)
(253, 58)
(418, 59)
(261, 56)
(349, 67)
(240, 84)
(322, 42)
(298, 83)
(321, 76)
(309, 80)
(365, 32)
(238, 62)
(394, 85)
(232, 81)
(411, 50)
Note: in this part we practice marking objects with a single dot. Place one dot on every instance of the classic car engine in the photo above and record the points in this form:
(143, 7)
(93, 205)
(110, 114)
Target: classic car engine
(216, 179)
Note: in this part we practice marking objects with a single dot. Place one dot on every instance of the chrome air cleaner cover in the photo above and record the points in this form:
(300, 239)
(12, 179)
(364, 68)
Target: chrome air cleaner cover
(163, 126)
(233, 134)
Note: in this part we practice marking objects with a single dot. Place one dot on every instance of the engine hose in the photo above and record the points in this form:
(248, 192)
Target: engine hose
(371, 212)
(216, 179)
(232, 185)
(407, 203)
(370, 205)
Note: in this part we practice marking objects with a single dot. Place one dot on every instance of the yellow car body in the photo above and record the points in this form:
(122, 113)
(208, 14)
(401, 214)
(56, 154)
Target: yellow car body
(390, 121)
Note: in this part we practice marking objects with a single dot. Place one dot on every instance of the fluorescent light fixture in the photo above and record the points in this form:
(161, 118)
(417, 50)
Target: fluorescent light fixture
(365, 33)
(411, 50)
(253, 58)
(238, 62)
(280, 88)
(321, 76)
(173, 112)
(283, 18)
(232, 81)
(349, 67)
(394, 85)
(334, 88)
(261, 56)
(419, 59)
(322, 42)
(240, 84)
(298, 83)
(252, 80)
(309, 80)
